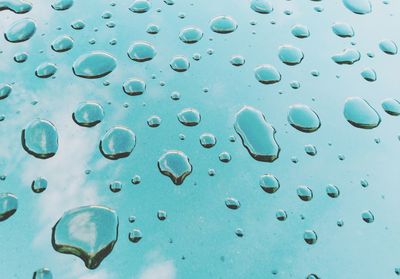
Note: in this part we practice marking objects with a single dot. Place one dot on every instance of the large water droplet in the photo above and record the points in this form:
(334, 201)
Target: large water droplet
(303, 118)
(258, 136)
(140, 6)
(343, 30)
(189, 117)
(95, 64)
(359, 113)
(134, 86)
(40, 139)
(88, 114)
(175, 164)
(118, 142)
(8, 205)
(388, 47)
(347, 56)
(191, 35)
(261, 6)
(88, 232)
(304, 193)
(43, 273)
(61, 5)
(267, 74)
(45, 70)
(223, 24)
(391, 106)
(17, 6)
(360, 7)
(20, 30)
(5, 90)
(290, 55)
(62, 43)
(141, 51)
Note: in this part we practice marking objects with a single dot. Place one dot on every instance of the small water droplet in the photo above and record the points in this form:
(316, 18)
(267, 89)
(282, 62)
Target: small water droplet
(310, 237)
(300, 31)
(39, 185)
(360, 7)
(232, 203)
(290, 55)
(343, 30)
(223, 24)
(8, 205)
(208, 140)
(367, 216)
(135, 236)
(61, 5)
(180, 63)
(369, 74)
(391, 106)
(43, 273)
(5, 90)
(161, 215)
(191, 35)
(281, 215)
(45, 70)
(388, 47)
(140, 6)
(62, 43)
(332, 191)
(261, 6)
(269, 183)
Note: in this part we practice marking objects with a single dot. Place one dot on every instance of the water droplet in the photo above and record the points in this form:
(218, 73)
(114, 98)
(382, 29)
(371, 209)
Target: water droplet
(312, 276)
(388, 47)
(232, 203)
(78, 24)
(134, 86)
(20, 31)
(343, 30)
(5, 90)
(224, 157)
(237, 60)
(88, 114)
(208, 140)
(118, 142)
(191, 35)
(359, 113)
(20, 57)
(261, 6)
(223, 24)
(290, 55)
(95, 64)
(332, 191)
(61, 5)
(189, 117)
(239, 232)
(116, 186)
(88, 232)
(39, 185)
(310, 237)
(367, 216)
(154, 121)
(369, 74)
(360, 7)
(136, 179)
(258, 136)
(347, 56)
(364, 183)
(8, 205)
(267, 74)
(391, 106)
(161, 215)
(140, 6)
(269, 183)
(304, 193)
(40, 139)
(300, 31)
(45, 70)
(152, 29)
(310, 149)
(141, 51)
(43, 273)
(135, 235)
(175, 164)
(179, 63)
(17, 6)
(281, 215)
(303, 118)
(62, 43)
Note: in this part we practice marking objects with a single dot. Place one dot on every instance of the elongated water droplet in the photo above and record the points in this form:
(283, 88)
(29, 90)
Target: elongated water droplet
(17, 6)
(232, 203)
(40, 139)
(88, 232)
(191, 35)
(20, 30)
(118, 142)
(269, 183)
(8, 205)
(95, 64)
(359, 113)
(388, 47)
(367, 216)
(237, 60)
(347, 56)
(369, 74)
(141, 51)
(261, 6)
(310, 149)
(45, 70)
(267, 74)
(5, 90)
(258, 136)
(223, 24)
(61, 5)
(175, 164)
(300, 31)
(20, 57)
(332, 191)
(88, 114)
(62, 43)
(391, 106)
(360, 7)
(343, 30)
(290, 55)
(303, 118)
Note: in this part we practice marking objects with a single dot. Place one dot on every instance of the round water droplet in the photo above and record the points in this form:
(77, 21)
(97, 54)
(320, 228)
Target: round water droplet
(348, 56)
(300, 31)
(152, 29)
(88, 114)
(45, 70)
(391, 106)
(388, 47)
(359, 113)
(191, 35)
(141, 51)
(17, 6)
(189, 117)
(290, 55)
(303, 118)
(208, 140)
(223, 24)
(261, 6)
(161, 215)
(304, 193)
(267, 74)
(269, 183)
(310, 237)
(179, 63)
(237, 60)
(39, 185)
(43, 273)
(258, 136)
(310, 149)
(134, 86)
(61, 5)
(360, 7)
(62, 43)
(20, 31)
(367, 216)
(116, 186)
(224, 157)
(239, 232)
(175, 164)
(281, 215)
(88, 232)
(140, 6)
(78, 25)
(154, 121)
(118, 142)
(343, 30)
(95, 64)
(8, 205)
(332, 191)
(369, 74)
(135, 235)
(5, 90)
(40, 139)
(232, 203)
(136, 180)
(20, 57)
